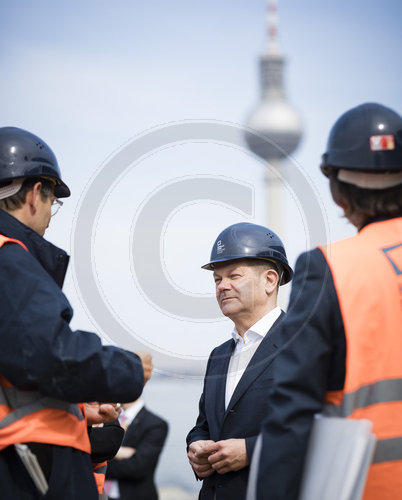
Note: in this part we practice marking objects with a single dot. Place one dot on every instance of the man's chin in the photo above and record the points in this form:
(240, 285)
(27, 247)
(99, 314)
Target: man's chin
(228, 309)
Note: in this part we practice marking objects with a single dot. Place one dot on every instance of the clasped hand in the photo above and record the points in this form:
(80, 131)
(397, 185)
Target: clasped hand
(207, 456)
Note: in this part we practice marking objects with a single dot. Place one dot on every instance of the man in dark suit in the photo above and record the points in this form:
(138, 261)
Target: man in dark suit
(249, 264)
(132, 470)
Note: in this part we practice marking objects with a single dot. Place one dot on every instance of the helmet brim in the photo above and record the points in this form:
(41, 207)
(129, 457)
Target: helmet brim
(287, 270)
(61, 190)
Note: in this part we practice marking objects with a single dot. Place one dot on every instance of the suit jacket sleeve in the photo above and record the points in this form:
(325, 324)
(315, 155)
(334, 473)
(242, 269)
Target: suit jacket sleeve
(201, 430)
(311, 361)
(146, 456)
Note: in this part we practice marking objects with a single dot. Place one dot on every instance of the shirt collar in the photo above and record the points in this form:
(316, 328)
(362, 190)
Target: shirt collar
(260, 328)
(133, 410)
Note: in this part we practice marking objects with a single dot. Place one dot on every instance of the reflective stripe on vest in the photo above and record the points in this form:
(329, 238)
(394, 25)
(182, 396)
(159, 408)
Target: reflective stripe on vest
(26, 416)
(39, 419)
(367, 275)
(26, 402)
(383, 391)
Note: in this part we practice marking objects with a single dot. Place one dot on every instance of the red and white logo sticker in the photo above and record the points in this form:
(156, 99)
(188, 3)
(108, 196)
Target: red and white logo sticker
(382, 142)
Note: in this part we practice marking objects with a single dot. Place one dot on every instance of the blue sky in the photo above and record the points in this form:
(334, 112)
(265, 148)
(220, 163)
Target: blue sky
(88, 76)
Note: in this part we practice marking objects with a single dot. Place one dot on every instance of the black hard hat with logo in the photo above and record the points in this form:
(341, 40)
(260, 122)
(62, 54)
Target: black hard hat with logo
(250, 241)
(367, 138)
(23, 155)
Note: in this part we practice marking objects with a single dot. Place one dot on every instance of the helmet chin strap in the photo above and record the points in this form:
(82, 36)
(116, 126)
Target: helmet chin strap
(367, 180)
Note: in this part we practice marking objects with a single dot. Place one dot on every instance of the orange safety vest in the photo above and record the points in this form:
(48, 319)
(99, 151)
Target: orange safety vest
(99, 474)
(367, 275)
(27, 416)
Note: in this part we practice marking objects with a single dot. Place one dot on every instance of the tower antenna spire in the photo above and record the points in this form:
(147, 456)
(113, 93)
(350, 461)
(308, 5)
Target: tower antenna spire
(273, 22)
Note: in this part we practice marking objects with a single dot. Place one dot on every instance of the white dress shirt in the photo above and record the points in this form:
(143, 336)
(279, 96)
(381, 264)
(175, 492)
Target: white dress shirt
(127, 416)
(245, 349)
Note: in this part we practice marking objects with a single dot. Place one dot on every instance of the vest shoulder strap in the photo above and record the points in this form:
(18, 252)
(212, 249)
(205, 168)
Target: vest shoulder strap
(5, 239)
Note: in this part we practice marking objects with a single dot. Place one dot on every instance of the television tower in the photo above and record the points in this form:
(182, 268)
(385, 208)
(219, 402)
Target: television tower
(274, 119)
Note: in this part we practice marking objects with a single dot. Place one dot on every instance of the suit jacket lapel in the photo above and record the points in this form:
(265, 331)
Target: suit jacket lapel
(222, 365)
(133, 426)
(139, 416)
(260, 360)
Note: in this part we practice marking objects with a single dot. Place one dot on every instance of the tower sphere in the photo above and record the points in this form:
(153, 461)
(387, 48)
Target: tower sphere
(278, 122)
(274, 119)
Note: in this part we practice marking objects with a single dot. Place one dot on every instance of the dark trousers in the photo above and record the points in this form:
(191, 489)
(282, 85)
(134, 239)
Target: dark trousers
(71, 477)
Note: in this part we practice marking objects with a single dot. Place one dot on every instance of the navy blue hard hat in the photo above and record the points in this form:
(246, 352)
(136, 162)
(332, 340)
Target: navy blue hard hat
(367, 138)
(23, 154)
(250, 241)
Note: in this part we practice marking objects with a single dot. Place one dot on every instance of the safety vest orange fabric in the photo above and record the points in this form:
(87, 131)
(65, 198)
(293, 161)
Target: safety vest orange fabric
(367, 275)
(99, 474)
(27, 416)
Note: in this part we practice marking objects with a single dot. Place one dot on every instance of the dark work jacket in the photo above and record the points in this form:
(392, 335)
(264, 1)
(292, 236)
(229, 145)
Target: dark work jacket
(38, 350)
(147, 434)
(311, 363)
(245, 413)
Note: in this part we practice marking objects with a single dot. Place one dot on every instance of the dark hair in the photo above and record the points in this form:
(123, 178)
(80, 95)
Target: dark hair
(366, 204)
(18, 199)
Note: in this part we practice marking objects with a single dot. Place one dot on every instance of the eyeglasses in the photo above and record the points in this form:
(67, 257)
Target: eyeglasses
(56, 204)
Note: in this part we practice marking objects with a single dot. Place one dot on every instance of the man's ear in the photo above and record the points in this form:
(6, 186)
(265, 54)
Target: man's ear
(271, 281)
(32, 197)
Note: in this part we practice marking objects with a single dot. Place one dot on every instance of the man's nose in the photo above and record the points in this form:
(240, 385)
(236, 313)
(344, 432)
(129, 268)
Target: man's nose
(224, 284)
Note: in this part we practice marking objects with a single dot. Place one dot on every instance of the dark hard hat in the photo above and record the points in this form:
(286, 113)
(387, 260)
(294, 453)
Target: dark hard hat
(367, 138)
(23, 154)
(250, 241)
